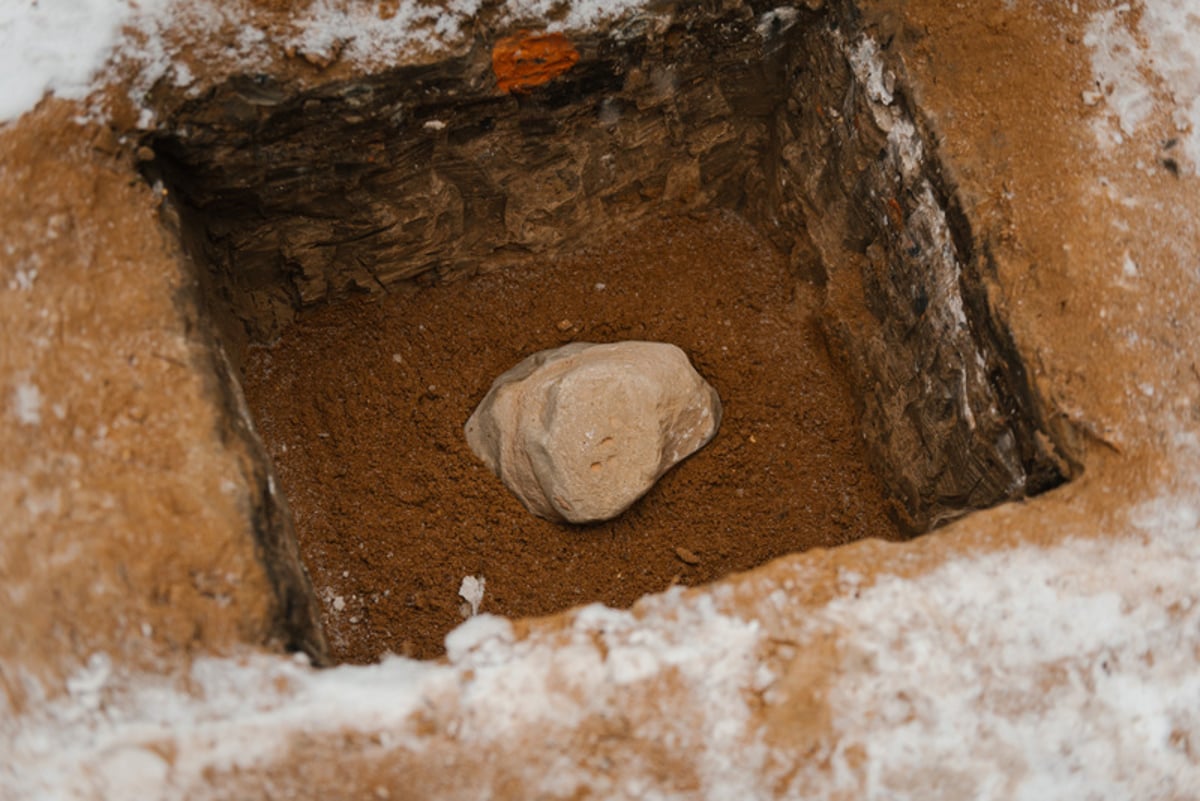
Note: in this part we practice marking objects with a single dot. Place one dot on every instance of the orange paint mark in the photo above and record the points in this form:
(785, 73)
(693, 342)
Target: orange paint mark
(526, 60)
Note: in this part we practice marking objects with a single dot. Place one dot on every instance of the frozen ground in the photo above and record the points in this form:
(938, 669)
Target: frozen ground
(69, 47)
(1023, 674)
(66, 46)
(1028, 673)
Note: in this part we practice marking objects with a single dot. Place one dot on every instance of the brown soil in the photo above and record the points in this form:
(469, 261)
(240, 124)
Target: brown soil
(362, 406)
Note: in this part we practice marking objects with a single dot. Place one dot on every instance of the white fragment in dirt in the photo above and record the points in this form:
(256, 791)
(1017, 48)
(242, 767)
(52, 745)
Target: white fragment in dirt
(471, 591)
(868, 67)
(183, 75)
(904, 142)
(1129, 267)
(777, 21)
(27, 404)
(905, 146)
(339, 603)
(434, 125)
(23, 279)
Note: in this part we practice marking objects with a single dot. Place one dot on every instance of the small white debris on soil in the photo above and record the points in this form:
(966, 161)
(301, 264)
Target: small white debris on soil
(471, 592)
(27, 404)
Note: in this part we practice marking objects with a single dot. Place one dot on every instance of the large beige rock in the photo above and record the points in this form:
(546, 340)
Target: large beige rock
(579, 433)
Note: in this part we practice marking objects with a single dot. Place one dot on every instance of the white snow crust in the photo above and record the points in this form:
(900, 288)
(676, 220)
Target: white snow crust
(72, 47)
(1032, 673)
(1155, 63)
(106, 738)
(55, 46)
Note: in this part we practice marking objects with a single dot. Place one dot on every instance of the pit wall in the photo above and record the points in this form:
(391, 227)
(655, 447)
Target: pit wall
(947, 410)
(789, 116)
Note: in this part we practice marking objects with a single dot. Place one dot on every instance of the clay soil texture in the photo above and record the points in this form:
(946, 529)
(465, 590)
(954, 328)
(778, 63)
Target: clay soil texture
(362, 406)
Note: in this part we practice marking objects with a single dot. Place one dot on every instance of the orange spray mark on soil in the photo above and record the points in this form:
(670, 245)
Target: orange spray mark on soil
(526, 60)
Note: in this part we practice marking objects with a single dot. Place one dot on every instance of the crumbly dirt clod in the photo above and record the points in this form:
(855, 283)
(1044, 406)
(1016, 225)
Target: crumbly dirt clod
(362, 407)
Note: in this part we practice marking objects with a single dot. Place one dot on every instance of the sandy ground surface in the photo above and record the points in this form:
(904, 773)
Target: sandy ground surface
(345, 388)
(1044, 649)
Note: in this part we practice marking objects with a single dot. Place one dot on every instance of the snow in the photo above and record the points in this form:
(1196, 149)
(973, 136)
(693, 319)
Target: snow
(55, 46)
(370, 41)
(1032, 673)
(1025, 673)
(580, 14)
(232, 714)
(71, 47)
(1155, 65)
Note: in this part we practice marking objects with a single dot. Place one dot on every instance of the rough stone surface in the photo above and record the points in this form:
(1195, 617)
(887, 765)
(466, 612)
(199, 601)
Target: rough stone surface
(579, 433)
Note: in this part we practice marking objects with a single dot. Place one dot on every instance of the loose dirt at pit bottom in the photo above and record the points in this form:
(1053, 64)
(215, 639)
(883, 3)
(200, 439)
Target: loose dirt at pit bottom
(362, 406)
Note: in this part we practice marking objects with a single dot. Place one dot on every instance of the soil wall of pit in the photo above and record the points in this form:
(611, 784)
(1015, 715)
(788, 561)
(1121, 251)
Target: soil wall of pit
(788, 116)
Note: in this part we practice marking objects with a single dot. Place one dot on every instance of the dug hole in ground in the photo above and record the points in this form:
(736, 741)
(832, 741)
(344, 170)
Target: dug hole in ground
(974, 231)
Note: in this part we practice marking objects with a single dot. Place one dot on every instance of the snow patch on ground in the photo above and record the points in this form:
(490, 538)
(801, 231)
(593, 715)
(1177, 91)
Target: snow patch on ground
(580, 14)
(366, 39)
(1067, 672)
(72, 47)
(1137, 65)
(106, 737)
(240, 713)
(1022, 674)
(55, 46)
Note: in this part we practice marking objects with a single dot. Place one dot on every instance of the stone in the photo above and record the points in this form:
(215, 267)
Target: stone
(579, 433)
